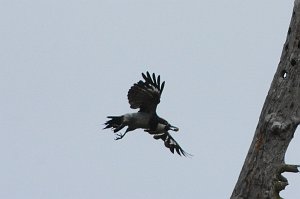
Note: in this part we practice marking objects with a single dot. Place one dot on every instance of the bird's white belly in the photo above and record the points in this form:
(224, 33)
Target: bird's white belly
(140, 120)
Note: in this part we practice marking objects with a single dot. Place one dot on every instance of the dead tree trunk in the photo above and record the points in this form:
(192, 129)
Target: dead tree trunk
(261, 174)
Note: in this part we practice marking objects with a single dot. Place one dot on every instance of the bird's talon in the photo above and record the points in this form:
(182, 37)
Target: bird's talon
(119, 136)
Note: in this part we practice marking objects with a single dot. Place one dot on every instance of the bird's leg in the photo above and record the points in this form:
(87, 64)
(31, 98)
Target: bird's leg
(119, 127)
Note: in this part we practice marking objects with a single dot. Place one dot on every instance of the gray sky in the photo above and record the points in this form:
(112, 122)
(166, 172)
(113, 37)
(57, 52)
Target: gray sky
(66, 65)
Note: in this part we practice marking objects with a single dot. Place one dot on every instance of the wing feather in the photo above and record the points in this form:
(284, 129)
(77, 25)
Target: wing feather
(162, 87)
(154, 78)
(145, 95)
(169, 142)
(158, 82)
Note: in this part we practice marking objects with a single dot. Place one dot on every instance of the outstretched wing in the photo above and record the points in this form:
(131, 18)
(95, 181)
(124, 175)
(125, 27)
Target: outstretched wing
(171, 143)
(145, 95)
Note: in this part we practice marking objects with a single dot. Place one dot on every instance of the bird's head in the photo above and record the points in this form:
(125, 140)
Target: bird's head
(167, 126)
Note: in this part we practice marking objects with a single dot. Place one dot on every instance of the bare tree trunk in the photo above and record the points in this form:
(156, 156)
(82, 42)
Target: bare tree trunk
(261, 174)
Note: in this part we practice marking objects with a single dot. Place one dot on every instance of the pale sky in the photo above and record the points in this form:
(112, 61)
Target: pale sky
(66, 65)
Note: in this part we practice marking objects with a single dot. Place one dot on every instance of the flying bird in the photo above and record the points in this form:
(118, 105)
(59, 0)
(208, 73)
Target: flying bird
(145, 96)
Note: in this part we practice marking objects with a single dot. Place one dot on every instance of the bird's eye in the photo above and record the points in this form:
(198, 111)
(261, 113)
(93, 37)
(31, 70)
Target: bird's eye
(167, 127)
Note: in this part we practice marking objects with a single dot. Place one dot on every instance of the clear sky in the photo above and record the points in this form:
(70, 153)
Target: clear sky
(66, 65)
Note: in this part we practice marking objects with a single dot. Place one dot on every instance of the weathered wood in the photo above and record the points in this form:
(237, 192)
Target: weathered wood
(261, 173)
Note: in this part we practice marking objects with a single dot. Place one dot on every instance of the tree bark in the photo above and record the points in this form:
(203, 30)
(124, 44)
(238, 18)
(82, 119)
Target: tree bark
(261, 175)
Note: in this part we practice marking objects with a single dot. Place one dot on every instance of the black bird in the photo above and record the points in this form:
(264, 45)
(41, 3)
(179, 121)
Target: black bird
(145, 95)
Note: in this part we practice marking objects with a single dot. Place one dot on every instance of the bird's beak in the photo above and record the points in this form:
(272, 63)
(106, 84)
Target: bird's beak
(174, 128)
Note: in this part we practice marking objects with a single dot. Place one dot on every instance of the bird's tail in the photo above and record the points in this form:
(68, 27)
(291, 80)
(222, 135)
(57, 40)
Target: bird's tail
(115, 122)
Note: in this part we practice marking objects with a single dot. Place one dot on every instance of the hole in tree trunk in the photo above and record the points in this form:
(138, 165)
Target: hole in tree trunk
(293, 62)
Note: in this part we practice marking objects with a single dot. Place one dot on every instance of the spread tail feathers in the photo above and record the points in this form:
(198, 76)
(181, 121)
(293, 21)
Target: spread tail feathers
(115, 122)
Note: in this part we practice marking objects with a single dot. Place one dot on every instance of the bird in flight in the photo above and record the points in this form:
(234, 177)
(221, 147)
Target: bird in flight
(145, 96)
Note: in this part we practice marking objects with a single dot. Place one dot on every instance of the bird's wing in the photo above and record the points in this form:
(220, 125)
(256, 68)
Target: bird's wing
(170, 142)
(145, 95)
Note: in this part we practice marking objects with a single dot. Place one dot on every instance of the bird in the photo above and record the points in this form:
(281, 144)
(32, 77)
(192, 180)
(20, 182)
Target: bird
(145, 95)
